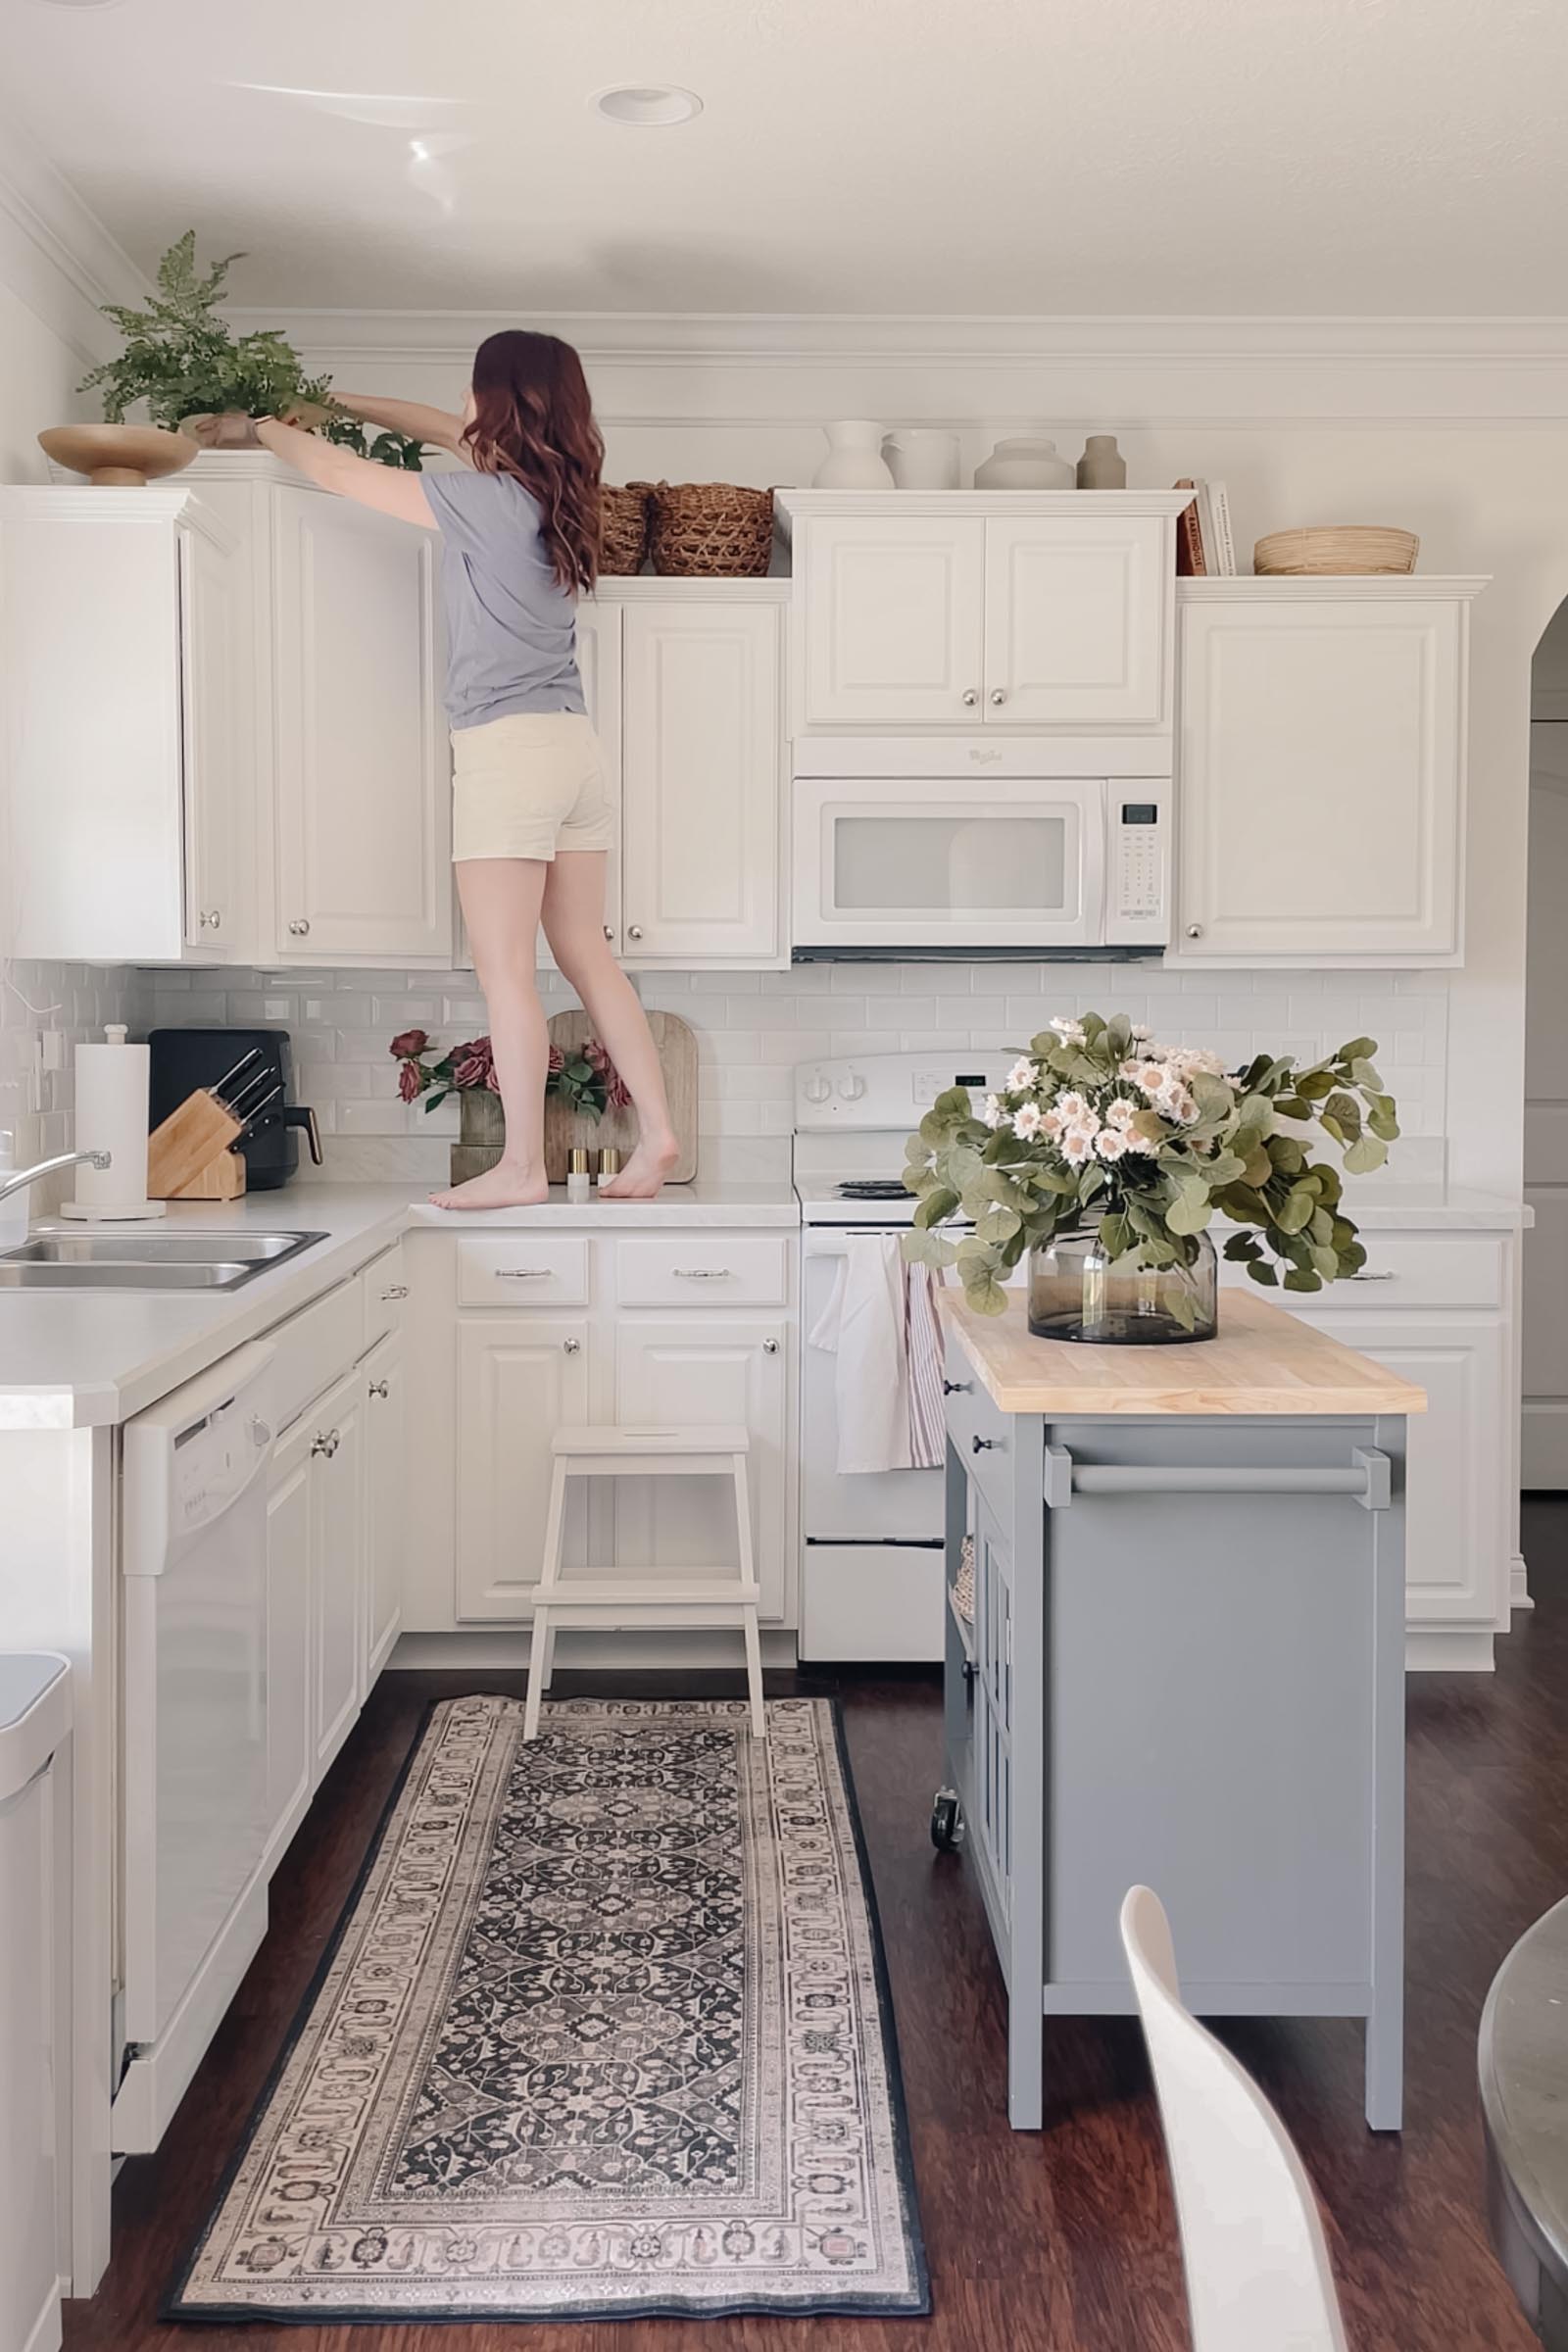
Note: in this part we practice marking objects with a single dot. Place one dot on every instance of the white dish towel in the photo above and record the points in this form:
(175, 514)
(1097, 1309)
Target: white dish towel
(862, 1326)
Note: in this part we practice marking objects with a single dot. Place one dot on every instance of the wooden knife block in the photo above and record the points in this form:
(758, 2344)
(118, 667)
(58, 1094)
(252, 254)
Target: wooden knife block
(191, 1156)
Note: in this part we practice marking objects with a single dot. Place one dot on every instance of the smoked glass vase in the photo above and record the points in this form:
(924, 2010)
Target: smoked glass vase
(1076, 1291)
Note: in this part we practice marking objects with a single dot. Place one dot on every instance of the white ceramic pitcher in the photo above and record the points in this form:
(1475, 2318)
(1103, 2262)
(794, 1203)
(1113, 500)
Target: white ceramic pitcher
(854, 460)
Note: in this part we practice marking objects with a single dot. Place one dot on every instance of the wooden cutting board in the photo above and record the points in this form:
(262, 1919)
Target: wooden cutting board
(678, 1055)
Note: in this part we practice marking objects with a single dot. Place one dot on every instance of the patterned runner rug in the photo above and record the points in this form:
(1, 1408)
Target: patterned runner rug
(604, 2032)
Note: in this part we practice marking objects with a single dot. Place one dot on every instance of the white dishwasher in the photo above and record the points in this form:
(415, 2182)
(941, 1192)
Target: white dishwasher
(194, 1717)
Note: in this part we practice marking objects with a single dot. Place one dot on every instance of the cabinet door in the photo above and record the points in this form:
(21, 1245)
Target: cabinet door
(386, 1471)
(695, 1370)
(1078, 622)
(893, 632)
(337, 1562)
(701, 781)
(520, 1379)
(214, 798)
(290, 1673)
(1321, 762)
(599, 660)
(362, 777)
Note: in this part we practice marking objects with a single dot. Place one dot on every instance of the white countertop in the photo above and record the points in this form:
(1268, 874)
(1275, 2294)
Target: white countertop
(77, 1359)
(1392, 1207)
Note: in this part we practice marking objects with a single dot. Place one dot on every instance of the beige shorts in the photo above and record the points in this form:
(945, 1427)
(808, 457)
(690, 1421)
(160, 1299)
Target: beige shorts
(528, 786)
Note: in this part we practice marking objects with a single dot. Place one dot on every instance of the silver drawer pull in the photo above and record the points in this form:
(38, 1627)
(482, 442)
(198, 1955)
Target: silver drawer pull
(702, 1273)
(524, 1273)
(1386, 1275)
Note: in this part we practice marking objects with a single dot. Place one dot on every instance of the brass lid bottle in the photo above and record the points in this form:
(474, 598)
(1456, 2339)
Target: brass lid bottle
(609, 1162)
(577, 1161)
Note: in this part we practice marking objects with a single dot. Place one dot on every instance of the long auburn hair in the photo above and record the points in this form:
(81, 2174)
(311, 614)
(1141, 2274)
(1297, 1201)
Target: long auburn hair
(534, 419)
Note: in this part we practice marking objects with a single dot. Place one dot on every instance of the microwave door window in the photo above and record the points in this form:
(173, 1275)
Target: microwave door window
(954, 863)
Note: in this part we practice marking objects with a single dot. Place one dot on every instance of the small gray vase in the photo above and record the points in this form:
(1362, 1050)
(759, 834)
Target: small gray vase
(1102, 466)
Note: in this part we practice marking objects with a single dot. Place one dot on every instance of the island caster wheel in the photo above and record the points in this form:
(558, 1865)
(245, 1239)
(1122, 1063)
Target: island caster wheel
(947, 1822)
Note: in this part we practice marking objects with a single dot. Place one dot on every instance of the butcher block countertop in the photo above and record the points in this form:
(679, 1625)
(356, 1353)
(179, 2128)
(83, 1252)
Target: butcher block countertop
(1263, 1361)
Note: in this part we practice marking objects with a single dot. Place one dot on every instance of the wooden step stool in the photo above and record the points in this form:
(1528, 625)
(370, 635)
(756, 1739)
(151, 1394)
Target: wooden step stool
(595, 1599)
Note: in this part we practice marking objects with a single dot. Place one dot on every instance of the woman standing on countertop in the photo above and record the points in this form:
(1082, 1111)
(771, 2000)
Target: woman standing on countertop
(531, 820)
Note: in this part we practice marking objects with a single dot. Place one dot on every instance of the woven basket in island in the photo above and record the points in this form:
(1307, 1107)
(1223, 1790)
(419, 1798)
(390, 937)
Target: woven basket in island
(712, 532)
(1342, 550)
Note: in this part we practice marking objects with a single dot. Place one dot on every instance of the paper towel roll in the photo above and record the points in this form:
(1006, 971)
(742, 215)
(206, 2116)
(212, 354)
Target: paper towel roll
(112, 1097)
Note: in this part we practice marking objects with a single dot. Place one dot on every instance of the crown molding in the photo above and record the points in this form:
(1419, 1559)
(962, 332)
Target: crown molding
(56, 255)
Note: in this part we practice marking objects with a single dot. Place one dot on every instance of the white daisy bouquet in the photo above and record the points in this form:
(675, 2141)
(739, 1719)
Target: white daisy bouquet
(1098, 1126)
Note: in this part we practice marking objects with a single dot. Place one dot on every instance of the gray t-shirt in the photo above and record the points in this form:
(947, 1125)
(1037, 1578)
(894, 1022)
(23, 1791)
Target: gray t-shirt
(512, 628)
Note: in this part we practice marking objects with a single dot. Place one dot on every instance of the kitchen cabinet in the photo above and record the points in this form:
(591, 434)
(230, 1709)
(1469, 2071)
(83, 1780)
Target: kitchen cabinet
(701, 760)
(290, 1756)
(1019, 609)
(362, 801)
(386, 1478)
(598, 665)
(520, 1377)
(337, 1544)
(1321, 764)
(129, 774)
(692, 1370)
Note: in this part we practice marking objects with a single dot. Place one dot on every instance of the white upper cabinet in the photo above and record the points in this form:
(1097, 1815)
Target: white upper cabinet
(364, 810)
(1321, 771)
(700, 761)
(599, 628)
(126, 769)
(1046, 609)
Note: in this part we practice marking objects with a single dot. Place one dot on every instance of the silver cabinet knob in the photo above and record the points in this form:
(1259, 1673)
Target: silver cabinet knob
(958, 1388)
(379, 1388)
(970, 697)
(399, 1290)
(984, 1445)
(1195, 930)
(210, 919)
(326, 1441)
(571, 1347)
(999, 694)
(216, 918)
(634, 931)
(610, 930)
(299, 927)
(770, 1346)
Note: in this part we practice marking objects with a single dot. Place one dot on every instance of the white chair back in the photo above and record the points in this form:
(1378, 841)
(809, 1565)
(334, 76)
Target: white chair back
(1252, 2245)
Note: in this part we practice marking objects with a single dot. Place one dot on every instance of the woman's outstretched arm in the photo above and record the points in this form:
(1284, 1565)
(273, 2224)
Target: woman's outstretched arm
(386, 488)
(436, 426)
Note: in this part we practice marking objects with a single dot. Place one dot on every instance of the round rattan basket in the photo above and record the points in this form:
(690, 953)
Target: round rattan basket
(711, 530)
(1345, 549)
(623, 529)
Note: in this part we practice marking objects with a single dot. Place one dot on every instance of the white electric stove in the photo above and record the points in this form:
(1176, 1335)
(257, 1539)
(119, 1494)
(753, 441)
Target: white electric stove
(871, 1584)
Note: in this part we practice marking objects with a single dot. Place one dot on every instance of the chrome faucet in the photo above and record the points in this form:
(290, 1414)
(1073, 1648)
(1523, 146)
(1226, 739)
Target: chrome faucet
(52, 1167)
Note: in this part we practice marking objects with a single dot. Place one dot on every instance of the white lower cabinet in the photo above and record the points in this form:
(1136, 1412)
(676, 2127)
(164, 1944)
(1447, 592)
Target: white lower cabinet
(290, 1756)
(520, 1379)
(698, 1369)
(387, 1472)
(338, 1557)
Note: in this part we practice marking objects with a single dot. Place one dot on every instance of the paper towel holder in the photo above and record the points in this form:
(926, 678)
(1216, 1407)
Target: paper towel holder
(128, 1149)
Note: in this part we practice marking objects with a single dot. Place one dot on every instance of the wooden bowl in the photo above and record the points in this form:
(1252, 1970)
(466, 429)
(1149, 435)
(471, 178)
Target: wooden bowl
(1341, 550)
(117, 454)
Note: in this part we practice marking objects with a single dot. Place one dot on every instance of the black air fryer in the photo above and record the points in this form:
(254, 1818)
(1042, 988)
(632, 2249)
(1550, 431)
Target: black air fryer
(184, 1060)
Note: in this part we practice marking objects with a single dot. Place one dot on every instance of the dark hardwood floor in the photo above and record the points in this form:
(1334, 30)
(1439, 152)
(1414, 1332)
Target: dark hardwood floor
(1063, 2239)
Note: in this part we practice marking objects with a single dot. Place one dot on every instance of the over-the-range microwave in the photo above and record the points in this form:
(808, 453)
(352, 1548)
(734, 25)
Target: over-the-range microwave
(929, 847)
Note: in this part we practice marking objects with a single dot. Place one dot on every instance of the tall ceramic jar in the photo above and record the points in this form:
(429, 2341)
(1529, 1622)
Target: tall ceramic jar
(855, 460)
(1102, 466)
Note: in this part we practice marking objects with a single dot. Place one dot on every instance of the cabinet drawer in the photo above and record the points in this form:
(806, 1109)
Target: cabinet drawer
(981, 1436)
(314, 1348)
(522, 1269)
(386, 1287)
(703, 1271)
(1409, 1270)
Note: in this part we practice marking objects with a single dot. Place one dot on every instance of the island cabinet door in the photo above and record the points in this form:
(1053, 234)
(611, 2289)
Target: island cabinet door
(364, 800)
(695, 1370)
(893, 630)
(1321, 762)
(1078, 622)
(520, 1379)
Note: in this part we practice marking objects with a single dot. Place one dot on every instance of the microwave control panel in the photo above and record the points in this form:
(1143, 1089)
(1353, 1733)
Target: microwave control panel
(1140, 865)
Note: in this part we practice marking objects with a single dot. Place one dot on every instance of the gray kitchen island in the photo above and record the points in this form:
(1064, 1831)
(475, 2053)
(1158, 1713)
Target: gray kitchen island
(1184, 1666)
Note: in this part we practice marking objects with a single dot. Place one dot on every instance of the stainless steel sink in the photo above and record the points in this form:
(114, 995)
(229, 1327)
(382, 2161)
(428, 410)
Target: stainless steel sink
(146, 1261)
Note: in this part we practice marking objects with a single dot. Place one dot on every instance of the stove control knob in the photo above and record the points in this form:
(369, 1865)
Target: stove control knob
(818, 1089)
(851, 1087)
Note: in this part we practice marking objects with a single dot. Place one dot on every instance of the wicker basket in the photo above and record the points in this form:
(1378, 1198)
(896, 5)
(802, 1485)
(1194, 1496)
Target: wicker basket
(712, 532)
(1345, 549)
(623, 529)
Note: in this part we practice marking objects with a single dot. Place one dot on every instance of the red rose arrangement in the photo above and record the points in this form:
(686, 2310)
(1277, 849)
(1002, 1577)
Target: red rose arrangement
(585, 1078)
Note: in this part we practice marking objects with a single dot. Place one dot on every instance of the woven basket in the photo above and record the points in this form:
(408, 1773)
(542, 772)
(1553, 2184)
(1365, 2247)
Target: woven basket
(1348, 548)
(712, 532)
(623, 529)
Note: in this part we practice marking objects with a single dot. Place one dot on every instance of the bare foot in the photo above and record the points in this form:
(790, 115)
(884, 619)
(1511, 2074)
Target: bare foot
(643, 1174)
(510, 1184)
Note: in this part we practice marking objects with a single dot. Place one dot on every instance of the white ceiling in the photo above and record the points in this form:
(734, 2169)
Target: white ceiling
(1269, 157)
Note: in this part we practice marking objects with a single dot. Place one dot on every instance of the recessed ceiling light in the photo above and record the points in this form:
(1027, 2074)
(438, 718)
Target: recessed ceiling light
(647, 105)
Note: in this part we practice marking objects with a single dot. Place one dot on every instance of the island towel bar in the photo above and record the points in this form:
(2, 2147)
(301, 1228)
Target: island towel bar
(1365, 1476)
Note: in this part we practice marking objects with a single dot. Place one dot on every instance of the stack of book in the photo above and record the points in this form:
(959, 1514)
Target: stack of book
(1204, 546)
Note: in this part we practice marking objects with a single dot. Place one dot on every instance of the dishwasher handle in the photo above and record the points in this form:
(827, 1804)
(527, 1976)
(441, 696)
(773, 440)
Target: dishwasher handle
(1365, 1479)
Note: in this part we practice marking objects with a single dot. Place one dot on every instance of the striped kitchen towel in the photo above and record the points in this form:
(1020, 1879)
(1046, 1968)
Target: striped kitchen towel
(923, 1353)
